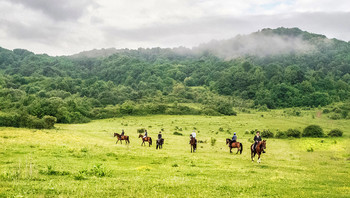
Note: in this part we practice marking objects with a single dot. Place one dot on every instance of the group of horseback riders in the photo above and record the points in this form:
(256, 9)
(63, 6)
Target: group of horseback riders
(257, 139)
(160, 140)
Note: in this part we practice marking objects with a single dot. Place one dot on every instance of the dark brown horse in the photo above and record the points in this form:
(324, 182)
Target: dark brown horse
(146, 139)
(160, 143)
(237, 145)
(193, 144)
(261, 145)
(126, 138)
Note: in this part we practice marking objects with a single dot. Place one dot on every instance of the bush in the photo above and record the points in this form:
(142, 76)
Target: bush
(293, 133)
(253, 131)
(49, 122)
(177, 133)
(335, 117)
(142, 130)
(326, 111)
(313, 131)
(281, 135)
(266, 134)
(335, 133)
(99, 171)
(212, 141)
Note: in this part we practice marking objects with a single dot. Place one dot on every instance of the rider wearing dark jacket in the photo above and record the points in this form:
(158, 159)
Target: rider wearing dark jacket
(257, 139)
(160, 136)
(122, 133)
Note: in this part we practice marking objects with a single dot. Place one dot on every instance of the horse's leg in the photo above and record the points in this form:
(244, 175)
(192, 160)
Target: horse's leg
(230, 149)
(117, 141)
(259, 158)
(237, 150)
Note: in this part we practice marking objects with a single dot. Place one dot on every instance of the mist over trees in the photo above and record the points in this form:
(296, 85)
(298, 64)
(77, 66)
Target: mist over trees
(275, 68)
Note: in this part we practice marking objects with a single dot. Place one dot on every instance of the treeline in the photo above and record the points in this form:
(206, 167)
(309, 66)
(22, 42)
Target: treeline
(156, 81)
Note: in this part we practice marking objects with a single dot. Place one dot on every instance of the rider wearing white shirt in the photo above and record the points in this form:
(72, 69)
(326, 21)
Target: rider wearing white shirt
(194, 134)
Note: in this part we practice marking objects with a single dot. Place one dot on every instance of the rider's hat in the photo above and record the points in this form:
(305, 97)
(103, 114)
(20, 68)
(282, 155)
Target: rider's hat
(160, 132)
(234, 133)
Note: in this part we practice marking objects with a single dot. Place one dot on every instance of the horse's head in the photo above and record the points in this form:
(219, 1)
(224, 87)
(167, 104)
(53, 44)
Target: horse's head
(116, 134)
(227, 140)
(263, 144)
(140, 136)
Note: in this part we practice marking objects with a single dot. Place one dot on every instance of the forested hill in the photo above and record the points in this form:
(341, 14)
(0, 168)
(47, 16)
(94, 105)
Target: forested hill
(273, 67)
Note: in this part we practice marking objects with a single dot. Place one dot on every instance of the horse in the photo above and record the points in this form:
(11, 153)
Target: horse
(160, 143)
(237, 145)
(126, 138)
(146, 139)
(259, 148)
(193, 144)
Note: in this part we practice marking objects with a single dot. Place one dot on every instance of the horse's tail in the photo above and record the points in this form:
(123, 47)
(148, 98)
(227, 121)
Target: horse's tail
(150, 140)
(128, 139)
(241, 147)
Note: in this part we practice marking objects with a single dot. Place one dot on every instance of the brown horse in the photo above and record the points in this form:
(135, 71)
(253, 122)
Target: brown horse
(146, 139)
(261, 145)
(126, 138)
(237, 145)
(193, 144)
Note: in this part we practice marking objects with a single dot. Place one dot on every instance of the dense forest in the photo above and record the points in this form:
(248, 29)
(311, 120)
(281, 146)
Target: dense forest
(271, 68)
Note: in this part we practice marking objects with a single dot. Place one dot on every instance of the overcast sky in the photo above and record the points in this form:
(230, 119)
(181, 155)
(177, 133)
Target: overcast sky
(65, 27)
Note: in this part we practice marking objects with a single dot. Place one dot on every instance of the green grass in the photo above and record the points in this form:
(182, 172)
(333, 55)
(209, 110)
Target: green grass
(82, 160)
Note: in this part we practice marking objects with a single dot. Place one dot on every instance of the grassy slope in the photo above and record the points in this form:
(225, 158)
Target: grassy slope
(287, 169)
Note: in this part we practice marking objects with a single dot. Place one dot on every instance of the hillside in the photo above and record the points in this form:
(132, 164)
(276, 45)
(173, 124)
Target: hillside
(273, 68)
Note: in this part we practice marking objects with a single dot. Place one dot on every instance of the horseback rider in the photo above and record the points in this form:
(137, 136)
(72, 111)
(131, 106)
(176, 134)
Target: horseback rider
(257, 139)
(193, 135)
(160, 136)
(145, 134)
(234, 137)
(121, 135)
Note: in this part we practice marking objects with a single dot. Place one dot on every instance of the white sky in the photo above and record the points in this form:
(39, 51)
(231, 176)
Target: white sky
(66, 27)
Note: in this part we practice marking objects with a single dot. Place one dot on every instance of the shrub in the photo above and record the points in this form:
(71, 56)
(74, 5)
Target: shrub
(212, 141)
(142, 130)
(335, 133)
(313, 131)
(281, 135)
(266, 134)
(50, 171)
(99, 171)
(293, 133)
(49, 121)
(335, 117)
(253, 131)
(177, 133)
(326, 111)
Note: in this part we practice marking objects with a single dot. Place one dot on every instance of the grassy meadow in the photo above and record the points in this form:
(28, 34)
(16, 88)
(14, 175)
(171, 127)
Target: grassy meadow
(82, 160)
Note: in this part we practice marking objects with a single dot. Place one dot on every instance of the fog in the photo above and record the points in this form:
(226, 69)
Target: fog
(256, 44)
